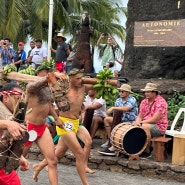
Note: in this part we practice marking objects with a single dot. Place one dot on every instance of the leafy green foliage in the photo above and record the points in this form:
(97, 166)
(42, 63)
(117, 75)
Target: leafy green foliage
(46, 64)
(137, 97)
(174, 103)
(103, 88)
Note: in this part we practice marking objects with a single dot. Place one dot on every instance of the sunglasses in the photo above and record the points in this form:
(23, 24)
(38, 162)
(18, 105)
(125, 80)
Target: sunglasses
(122, 91)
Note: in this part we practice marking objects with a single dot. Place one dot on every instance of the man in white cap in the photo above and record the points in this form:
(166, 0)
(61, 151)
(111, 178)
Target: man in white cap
(128, 105)
(152, 115)
(62, 52)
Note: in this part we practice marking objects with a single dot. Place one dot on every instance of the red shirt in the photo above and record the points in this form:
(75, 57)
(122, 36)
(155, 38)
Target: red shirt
(158, 106)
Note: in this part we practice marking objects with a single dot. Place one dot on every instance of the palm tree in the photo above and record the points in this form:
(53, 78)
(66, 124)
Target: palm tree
(107, 20)
(11, 17)
(20, 18)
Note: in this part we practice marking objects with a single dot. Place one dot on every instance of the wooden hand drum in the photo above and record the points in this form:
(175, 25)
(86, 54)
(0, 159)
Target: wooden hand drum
(129, 139)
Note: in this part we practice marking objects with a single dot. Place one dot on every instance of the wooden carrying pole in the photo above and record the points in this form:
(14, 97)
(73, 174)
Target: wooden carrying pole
(30, 78)
(18, 77)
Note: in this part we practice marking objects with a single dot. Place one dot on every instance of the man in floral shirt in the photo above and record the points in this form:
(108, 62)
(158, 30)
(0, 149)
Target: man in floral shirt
(152, 115)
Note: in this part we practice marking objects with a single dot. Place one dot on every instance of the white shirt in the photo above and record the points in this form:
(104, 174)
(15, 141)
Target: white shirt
(100, 111)
(38, 54)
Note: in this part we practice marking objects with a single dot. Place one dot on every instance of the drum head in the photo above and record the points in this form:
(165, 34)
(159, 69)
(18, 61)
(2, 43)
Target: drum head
(134, 140)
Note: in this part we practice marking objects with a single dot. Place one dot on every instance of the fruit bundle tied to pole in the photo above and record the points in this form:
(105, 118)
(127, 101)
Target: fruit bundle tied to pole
(103, 88)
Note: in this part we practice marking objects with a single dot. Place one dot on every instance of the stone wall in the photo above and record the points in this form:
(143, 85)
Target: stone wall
(153, 62)
(148, 168)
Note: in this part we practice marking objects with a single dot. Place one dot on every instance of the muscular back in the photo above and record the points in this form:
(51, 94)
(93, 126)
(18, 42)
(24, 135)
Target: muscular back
(38, 105)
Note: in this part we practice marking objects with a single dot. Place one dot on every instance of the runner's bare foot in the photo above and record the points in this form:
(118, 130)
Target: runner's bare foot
(88, 170)
(36, 171)
(46, 168)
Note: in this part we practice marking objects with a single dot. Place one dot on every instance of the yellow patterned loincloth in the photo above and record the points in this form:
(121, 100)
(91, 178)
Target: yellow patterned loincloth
(62, 131)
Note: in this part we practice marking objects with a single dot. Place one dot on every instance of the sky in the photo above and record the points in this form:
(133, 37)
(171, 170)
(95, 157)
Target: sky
(97, 61)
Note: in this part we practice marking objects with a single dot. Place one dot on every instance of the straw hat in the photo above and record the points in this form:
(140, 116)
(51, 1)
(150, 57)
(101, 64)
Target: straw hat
(150, 87)
(60, 35)
(125, 87)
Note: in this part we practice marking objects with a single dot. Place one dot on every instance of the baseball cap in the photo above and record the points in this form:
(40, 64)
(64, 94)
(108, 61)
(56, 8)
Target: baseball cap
(21, 43)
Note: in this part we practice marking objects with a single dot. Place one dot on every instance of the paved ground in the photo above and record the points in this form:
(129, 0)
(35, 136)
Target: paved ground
(69, 176)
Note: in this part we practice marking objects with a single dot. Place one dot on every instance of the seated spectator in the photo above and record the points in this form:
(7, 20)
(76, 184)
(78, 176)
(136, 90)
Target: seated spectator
(99, 107)
(128, 105)
(152, 115)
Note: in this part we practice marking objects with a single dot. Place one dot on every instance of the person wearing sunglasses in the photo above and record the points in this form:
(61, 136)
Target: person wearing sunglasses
(128, 105)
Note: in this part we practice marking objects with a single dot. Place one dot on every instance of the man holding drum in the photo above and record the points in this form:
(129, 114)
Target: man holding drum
(152, 115)
(128, 105)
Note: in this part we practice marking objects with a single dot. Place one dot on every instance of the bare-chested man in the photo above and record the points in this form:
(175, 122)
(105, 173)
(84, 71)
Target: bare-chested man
(38, 107)
(68, 139)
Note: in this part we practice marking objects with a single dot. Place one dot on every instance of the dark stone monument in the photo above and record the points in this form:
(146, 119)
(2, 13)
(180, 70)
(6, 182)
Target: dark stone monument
(155, 42)
(83, 58)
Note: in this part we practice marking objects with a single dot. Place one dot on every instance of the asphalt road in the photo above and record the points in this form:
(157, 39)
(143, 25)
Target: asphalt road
(68, 176)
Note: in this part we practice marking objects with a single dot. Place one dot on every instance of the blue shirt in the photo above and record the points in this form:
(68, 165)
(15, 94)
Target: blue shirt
(19, 55)
(5, 58)
(132, 113)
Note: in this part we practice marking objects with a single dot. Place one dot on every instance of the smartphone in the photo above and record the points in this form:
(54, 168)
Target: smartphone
(105, 34)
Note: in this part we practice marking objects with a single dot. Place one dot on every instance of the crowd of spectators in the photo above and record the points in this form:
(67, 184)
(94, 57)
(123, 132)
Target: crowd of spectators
(36, 54)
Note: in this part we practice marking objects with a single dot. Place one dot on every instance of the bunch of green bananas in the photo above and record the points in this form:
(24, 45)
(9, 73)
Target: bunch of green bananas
(104, 74)
(9, 68)
(105, 90)
(29, 70)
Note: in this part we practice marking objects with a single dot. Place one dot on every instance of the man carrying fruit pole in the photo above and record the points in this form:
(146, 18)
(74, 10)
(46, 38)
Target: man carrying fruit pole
(68, 130)
(39, 105)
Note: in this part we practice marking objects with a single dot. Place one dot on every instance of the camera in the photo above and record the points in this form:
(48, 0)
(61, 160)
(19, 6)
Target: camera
(105, 34)
(4, 43)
